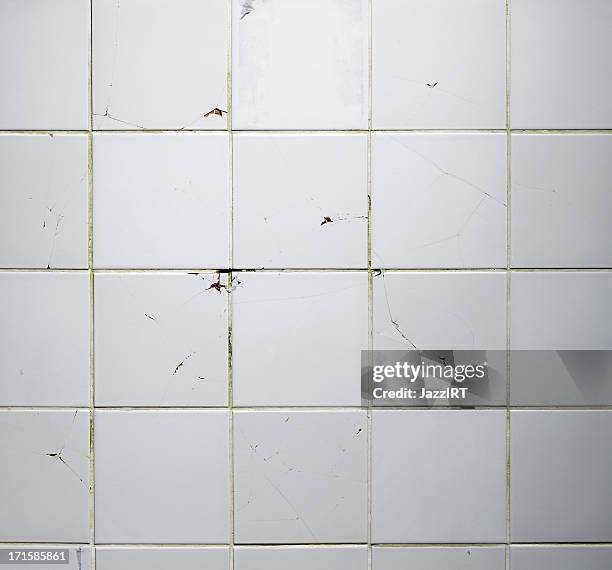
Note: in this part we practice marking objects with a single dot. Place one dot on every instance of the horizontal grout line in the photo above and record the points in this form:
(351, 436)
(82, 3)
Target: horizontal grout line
(235, 408)
(110, 271)
(343, 545)
(304, 131)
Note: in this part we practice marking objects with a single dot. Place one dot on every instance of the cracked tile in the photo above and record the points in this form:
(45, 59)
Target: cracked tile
(161, 339)
(44, 201)
(44, 64)
(161, 200)
(439, 558)
(300, 65)
(44, 481)
(163, 67)
(560, 53)
(301, 557)
(44, 346)
(438, 64)
(446, 484)
(431, 310)
(294, 207)
(306, 314)
(439, 200)
(561, 203)
(162, 558)
(560, 472)
(283, 460)
(162, 477)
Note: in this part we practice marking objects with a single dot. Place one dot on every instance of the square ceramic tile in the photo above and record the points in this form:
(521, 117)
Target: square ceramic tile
(76, 557)
(308, 351)
(159, 65)
(560, 54)
(293, 206)
(161, 200)
(561, 557)
(44, 339)
(443, 310)
(561, 201)
(438, 477)
(44, 198)
(300, 65)
(438, 64)
(161, 339)
(211, 558)
(439, 200)
(560, 378)
(162, 477)
(560, 473)
(301, 558)
(300, 477)
(44, 480)
(439, 558)
(561, 310)
(44, 54)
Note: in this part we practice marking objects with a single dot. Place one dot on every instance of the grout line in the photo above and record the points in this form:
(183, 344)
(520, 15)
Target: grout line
(370, 287)
(111, 271)
(284, 409)
(305, 132)
(90, 237)
(508, 273)
(230, 283)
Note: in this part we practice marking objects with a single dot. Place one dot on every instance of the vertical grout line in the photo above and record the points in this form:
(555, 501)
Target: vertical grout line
(508, 271)
(230, 283)
(370, 287)
(92, 518)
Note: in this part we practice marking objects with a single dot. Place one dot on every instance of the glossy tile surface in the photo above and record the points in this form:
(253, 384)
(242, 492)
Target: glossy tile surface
(160, 68)
(44, 481)
(162, 477)
(561, 202)
(560, 471)
(438, 477)
(161, 339)
(316, 326)
(152, 558)
(458, 78)
(44, 198)
(301, 558)
(300, 65)
(285, 458)
(559, 53)
(161, 200)
(561, 557)
(293, 205)
(44, 64)
(439, 200)
(439, 558)
(44, 349)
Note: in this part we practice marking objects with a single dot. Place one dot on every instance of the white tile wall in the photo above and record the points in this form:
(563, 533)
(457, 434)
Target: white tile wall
(439, 558)
(301, 557)
(559, 55)
(438, 64)
(300, 477)
(162, 477)
(156, 558)
(211, 207)
(445, 486)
